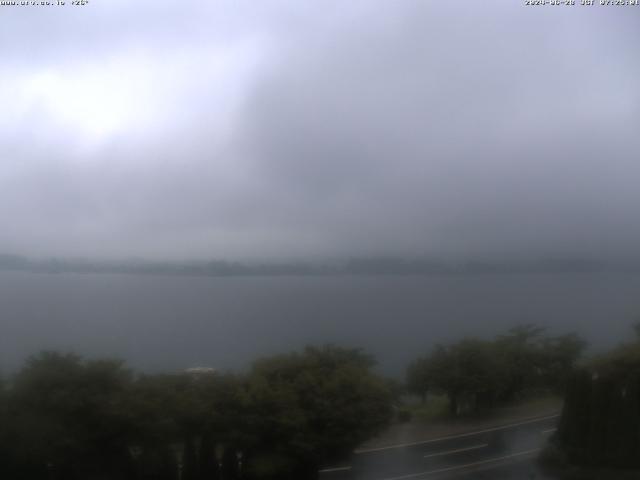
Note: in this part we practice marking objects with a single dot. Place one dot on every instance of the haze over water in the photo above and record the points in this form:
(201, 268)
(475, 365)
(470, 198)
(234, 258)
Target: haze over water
(171, 322)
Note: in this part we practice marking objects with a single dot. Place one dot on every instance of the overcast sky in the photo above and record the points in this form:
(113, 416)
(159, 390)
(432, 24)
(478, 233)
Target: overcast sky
(319, 129)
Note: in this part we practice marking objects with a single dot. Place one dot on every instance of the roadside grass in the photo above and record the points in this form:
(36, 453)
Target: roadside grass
(436, 407)
(539, 401)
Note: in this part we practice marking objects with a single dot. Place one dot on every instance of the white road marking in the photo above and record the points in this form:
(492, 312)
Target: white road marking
(467, 465)
(544, 432)
(451, 437)
(336, 469)
(458, 450)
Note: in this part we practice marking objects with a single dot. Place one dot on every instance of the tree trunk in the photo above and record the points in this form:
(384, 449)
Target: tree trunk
(453, 405)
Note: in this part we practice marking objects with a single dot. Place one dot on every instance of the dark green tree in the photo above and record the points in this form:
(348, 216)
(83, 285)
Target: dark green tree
(312, 407)
(600, 421)
(68, 418)
(467, 372)
(417, 378)
(521, 357)
(560, 356)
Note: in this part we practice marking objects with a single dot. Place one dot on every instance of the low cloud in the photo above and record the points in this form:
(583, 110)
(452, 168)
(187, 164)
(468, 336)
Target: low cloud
(282, 130)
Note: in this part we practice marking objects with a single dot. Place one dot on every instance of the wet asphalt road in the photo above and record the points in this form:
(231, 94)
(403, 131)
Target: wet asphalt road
(501, 453)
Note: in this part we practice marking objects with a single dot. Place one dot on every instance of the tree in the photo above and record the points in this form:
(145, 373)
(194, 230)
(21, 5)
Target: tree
(67, 417)
(600, 420)
(466, 370)
(481, 372)
(417, 378)
(521, 357)
(559, 358)
(4, 438)
(533, 360)
(312, 407)
(636, 328)
(64, 417)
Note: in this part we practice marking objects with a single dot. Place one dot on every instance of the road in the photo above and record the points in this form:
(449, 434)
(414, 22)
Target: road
(505, 452)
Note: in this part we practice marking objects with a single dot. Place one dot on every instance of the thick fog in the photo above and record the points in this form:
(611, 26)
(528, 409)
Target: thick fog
(243, 129)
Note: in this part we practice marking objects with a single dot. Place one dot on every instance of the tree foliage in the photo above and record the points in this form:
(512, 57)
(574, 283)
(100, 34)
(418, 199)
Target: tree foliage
(476, 373)
(601, 416)
(320, 403)
(64, 417)
(417, 378)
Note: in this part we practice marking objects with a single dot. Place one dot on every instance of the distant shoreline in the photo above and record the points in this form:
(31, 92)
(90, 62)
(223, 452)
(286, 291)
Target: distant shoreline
(350, 267)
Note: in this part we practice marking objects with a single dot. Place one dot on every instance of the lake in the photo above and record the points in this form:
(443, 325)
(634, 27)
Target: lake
(172, 322)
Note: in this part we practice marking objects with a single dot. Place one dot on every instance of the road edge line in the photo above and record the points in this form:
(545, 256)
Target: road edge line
(360, 451)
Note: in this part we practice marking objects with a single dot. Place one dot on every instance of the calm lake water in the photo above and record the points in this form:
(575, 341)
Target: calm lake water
(156, 322)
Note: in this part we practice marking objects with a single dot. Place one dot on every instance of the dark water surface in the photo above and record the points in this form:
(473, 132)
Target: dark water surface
(173, 322)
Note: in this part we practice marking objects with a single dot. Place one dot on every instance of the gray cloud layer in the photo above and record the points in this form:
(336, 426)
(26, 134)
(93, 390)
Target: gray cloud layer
(290, 129)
